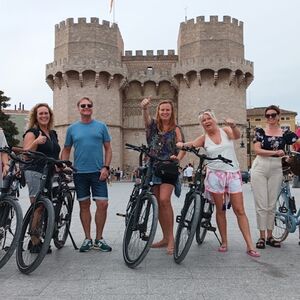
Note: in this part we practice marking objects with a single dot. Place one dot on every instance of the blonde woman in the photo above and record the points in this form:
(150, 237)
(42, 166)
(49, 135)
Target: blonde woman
(223, 180)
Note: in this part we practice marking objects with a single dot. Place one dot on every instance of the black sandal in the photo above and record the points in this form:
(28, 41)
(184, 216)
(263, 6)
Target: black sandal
(261, 243)
(271, 242)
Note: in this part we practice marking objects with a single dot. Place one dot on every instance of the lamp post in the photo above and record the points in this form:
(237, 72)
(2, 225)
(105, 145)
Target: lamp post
(248, 141)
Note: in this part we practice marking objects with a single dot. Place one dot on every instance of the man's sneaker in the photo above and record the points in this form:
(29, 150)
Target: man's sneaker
(102, 245)
(87, 245)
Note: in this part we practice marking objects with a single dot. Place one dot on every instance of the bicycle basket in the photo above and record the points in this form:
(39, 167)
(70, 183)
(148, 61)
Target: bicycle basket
(294, 163)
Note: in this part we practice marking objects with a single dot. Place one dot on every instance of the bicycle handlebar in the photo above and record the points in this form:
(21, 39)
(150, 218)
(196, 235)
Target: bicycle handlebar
(33, 155)
(205, 157)
(146, 150)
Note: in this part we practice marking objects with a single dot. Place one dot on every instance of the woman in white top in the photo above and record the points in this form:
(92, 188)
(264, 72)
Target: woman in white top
(223, 179)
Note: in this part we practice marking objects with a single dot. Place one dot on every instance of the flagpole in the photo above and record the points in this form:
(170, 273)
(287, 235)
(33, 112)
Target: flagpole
(114, 3)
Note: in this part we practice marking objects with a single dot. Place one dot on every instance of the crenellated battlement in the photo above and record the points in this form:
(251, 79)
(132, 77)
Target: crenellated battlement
(140, 53)
(212, 20)
(83, 22)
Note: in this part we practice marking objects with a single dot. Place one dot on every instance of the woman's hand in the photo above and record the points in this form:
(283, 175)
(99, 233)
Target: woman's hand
(41, 139)
(179, 145)
(230, 122)
(145, 103)
(174, 157)
(279, 153)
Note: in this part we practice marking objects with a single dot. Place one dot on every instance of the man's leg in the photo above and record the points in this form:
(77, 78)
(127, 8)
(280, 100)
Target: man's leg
(85, 217)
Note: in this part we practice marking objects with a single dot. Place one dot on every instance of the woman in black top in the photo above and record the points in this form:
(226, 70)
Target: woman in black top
(39, 137)
(266, 172)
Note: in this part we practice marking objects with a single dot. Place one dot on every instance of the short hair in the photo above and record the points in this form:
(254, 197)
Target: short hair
(33, 123)
(207, 112)
(84, 98)
(273, 107)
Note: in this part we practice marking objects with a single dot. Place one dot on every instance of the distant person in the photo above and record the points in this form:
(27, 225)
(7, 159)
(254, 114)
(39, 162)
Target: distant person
(266, 173)
(189, 173)
(3, 157)
(89, 137)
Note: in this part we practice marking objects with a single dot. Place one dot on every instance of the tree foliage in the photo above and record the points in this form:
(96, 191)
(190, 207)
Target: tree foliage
(9, 128)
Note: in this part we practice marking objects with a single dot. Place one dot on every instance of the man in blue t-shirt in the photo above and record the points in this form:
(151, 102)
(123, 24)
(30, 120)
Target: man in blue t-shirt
(89, 137)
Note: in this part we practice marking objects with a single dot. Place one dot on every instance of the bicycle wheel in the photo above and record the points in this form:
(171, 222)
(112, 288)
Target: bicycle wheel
(187, 226)
(140, 230)
(204, 220)
(10, 227)
(34, 242)
(280, 231)
(63, 215)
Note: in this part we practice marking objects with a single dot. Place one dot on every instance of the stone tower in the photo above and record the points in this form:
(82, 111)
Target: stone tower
(209, 72)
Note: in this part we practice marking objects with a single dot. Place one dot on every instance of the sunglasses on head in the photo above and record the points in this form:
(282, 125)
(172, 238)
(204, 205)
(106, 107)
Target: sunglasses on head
(204, 111)
(86, 105)
(273, 115)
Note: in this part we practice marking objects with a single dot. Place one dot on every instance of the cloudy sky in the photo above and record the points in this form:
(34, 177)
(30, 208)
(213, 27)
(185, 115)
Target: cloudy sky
(271, 38)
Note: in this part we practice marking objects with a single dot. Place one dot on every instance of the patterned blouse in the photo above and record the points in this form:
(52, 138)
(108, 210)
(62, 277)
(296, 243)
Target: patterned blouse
(274, 142)
(162, 144)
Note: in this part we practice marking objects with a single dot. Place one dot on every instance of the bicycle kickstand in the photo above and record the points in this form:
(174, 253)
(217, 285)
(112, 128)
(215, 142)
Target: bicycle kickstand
(218, 238)
(71, 237)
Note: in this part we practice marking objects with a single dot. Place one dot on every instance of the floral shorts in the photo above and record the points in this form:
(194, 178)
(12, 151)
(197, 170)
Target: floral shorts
(220, 182)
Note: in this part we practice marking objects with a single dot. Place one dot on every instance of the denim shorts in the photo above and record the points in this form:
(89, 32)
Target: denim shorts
(85, 183)
(33, 181)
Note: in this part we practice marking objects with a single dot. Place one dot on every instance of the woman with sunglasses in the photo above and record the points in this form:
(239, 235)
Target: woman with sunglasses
(41, 137)
(223, 180)
(162, 134)
(266, 173)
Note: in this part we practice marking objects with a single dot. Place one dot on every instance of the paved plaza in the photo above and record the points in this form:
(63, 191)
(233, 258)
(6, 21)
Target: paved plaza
(204, 274)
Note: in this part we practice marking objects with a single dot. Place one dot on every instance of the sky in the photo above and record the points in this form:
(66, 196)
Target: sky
(271, 39)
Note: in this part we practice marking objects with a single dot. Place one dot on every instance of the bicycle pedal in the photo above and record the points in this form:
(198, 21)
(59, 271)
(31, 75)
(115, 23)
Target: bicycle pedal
(178, 219)
(208, 226)
(121, 215)
(145, 238)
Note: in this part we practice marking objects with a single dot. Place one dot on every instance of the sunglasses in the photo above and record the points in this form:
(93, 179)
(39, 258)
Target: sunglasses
(86, 105)
(273, 115)
(204, 111)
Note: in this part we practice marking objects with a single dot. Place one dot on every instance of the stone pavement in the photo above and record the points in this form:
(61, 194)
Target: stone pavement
(204, 274)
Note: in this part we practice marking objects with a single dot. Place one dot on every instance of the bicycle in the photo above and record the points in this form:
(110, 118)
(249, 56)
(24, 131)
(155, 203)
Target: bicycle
(287, 217)
(10, 210)
(63, 200)
(195, 216)
(42, 220)
(141, 214)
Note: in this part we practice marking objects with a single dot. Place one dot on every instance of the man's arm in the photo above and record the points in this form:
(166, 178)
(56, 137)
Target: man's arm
(65, 154)
(107, 160)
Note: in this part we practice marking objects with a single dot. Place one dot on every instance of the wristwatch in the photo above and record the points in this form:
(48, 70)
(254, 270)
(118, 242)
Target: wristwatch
(107, 167)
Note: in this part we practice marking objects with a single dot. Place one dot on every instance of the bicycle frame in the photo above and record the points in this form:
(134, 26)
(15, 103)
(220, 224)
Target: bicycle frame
(287, 212)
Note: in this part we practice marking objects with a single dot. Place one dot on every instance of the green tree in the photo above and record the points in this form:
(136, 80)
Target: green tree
(9, 127)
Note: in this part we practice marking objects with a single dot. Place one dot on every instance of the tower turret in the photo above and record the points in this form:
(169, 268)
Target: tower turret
(87, 62)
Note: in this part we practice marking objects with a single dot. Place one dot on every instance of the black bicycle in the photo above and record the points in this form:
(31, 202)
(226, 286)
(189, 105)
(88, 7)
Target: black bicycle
(141, 215)
(197, 210)
(10, 210)
(63, 196)
(44, 220)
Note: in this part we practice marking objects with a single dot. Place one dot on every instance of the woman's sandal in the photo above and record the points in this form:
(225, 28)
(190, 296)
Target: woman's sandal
(271, 242)
(253, 253)
(261, 243)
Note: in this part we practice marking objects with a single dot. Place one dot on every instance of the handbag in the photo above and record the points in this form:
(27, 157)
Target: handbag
(167, 170)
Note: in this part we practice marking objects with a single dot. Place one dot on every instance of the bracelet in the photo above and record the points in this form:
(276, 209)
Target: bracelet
(106, 167)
